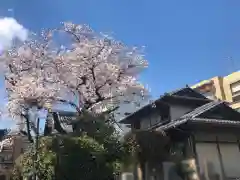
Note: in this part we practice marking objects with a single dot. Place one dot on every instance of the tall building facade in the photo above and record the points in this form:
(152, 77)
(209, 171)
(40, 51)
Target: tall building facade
(225, 88)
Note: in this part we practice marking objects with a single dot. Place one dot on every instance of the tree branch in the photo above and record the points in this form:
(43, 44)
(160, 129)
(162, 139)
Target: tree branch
(28, 127)
(48, 127)
(71, 104)
(111, 110)
(74, 35)
(57, 124)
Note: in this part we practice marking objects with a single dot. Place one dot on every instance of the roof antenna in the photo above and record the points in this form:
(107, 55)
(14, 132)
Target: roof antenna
(232, 64)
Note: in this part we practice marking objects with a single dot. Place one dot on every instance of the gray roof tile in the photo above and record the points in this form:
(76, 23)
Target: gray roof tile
(202, 109)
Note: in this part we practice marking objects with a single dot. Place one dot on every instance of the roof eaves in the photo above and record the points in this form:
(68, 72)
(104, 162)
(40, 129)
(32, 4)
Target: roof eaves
(127, 119)
(219, 121)
(176, 91)
(179, 122)
(189, 98)
(173, 124)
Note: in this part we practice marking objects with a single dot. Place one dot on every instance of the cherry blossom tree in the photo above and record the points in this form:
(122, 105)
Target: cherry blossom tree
(100, 71)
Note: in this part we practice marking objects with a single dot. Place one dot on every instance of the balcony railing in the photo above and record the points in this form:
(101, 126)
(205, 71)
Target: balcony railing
(6, 144)
(4, 160)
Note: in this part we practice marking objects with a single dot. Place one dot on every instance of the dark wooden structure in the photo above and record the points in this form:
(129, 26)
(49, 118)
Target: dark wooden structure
(203, 135)
(59, 122)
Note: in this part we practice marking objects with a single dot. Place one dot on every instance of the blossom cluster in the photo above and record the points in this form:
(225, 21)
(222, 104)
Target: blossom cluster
(100, 71)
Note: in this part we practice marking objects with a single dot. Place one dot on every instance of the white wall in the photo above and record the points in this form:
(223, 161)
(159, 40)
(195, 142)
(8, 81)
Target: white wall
(231, 158)
(202, 136)
(208, 153)
(149, 121)
(208, 159)
(178, 111)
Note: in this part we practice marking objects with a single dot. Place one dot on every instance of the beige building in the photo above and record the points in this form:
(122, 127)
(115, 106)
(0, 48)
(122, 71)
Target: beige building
(12, 146)
(225, 88)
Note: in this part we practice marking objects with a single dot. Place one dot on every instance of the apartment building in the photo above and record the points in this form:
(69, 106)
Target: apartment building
(12, 145)
(225, 88)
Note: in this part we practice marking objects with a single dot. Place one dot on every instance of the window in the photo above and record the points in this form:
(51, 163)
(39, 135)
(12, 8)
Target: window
(236, 98)
(8, 157)
(235, 88)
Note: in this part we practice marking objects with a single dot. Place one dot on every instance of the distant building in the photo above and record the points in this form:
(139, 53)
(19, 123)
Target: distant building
(225, 88)
(12, 145)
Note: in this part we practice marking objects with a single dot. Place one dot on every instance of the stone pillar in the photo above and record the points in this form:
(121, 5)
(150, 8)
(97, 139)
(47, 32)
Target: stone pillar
(189, 165)
(189, 169)
(138, 174)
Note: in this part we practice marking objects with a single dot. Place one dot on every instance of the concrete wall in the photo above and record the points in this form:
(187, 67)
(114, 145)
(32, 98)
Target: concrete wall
(228, 80)
(222, 87)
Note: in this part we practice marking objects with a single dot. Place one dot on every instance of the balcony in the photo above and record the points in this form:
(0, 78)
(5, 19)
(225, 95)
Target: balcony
(235, 88)
(236, 97)
(6, 159)
(6, 149)
(6, 145)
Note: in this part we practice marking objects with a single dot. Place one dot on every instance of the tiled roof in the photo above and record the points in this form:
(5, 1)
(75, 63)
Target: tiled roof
(186, 91)
(202, 109)
(180, 121)
(192, 117)
(172, 124)
(219, 121)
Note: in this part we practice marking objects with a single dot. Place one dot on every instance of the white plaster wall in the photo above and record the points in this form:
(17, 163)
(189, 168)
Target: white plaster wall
(208, 159)
(202, 136)
(149, 121)
(178, 111)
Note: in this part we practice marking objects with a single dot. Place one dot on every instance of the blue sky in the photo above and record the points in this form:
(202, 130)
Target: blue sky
(186, 41)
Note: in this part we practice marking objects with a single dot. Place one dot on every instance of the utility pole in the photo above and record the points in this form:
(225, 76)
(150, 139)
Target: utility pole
(36, 150)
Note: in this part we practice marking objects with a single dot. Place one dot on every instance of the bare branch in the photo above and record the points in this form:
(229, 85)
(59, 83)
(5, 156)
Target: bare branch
(28, 127)
(57, 124)
(70, 103)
